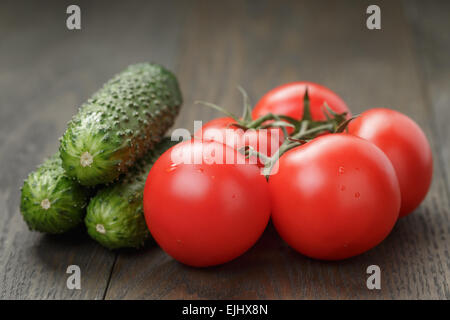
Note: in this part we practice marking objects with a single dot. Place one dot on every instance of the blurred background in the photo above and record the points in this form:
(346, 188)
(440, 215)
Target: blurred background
(48, 71)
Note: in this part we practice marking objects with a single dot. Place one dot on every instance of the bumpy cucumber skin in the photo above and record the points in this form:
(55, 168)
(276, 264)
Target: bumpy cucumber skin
(52, 202)
(120, 123)
(115, 216)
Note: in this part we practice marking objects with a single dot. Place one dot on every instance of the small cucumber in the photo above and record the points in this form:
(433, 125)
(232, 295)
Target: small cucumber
(120, 123)
(51, 201)
(115, 216)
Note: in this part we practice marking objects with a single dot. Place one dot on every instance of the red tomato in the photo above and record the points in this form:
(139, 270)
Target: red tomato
(207, 213)
(406, 146)
(334, 197)
(266, 141)
(288, 100)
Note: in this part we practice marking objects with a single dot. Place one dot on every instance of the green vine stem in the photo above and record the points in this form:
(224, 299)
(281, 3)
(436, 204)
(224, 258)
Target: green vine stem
(305, 129)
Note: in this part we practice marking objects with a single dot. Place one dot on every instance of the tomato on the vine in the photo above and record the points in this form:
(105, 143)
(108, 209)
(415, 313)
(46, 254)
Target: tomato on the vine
(288, 100)
(334, 197)
(406, 146)
(202, 210)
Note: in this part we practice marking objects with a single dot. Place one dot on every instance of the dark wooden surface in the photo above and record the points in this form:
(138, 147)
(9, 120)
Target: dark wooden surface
(46, 72)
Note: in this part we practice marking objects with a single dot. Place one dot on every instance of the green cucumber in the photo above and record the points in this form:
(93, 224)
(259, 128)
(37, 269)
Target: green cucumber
(51, 201)
(115, 216)
(120, 123)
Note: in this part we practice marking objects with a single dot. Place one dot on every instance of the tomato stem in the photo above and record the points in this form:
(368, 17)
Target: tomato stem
(220, 109)
(302, 136)
(270, 116)
(247, 114)
(344, 125)
(306, 108)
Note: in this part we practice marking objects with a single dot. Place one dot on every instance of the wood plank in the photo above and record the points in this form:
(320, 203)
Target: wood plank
(46, 72)
(431, 24)
(260, 45)
(40, 92)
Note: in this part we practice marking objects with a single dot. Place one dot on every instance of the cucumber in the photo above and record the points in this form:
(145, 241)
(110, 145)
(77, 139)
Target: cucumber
(51, 201)
(115, 216)
(120, 123)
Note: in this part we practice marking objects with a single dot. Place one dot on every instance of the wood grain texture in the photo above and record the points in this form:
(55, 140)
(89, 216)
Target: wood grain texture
(46, 72)
(430, 26)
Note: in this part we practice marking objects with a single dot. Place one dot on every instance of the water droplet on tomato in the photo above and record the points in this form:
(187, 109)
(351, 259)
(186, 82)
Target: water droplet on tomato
(172, 167)
(343, 188)
(357, 195)
(341, 170)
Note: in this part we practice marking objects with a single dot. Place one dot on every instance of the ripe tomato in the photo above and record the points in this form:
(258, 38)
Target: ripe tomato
(288, 100)
(334, 197)
(406, 146)
(266, 141)
(207, 213)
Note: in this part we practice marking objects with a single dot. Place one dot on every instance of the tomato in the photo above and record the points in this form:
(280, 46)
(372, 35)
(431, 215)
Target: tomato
(288, 100)
(266, 141)
(205, 213)
(334, 197)
(406, 146)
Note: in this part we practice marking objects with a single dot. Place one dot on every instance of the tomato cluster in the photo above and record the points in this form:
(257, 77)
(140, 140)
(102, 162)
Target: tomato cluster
(333, 185)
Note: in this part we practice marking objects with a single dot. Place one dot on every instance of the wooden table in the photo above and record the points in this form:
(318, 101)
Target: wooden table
(47, 71)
